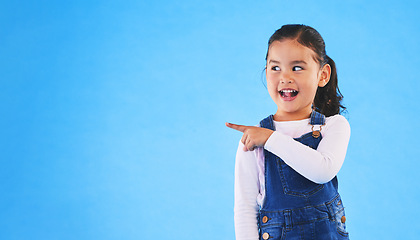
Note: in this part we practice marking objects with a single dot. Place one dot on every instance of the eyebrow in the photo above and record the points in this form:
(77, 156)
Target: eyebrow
(293, 62)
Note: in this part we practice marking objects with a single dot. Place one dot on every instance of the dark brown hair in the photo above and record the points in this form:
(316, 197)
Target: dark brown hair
(328, 98)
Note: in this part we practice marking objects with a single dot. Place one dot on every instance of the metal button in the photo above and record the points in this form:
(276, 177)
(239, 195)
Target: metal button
(266, 236)
(343, 219)
(265, 219)
(316, 134)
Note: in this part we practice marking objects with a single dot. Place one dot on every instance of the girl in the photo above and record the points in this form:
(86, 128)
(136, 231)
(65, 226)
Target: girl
(285, 173)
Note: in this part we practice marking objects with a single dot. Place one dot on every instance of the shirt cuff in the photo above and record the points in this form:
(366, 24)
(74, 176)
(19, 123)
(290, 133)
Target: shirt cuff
(275, 140)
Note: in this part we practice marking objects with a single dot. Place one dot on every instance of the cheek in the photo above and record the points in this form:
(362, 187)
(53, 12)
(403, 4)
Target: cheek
(312, 90)
(271, 85)
(271, 80)
(272, 88)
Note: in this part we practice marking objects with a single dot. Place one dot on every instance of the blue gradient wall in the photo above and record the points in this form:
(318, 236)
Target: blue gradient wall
(112, 113)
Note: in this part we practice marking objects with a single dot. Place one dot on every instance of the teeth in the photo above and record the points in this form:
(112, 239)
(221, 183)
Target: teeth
(288, 93)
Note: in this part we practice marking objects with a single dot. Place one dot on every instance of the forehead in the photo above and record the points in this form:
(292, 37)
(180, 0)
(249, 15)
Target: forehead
(290, 50)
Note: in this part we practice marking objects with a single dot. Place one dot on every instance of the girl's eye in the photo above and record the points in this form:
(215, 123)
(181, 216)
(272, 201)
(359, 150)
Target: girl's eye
(297, 68)
(275, 68)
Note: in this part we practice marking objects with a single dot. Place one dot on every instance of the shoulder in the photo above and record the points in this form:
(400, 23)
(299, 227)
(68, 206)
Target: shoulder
(336, 119)
(337, 123)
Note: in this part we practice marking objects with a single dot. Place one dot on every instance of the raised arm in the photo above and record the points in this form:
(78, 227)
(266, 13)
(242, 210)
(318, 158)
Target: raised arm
(321, 165)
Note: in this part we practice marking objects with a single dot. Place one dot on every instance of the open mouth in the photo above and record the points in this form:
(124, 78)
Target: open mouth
(288, 93)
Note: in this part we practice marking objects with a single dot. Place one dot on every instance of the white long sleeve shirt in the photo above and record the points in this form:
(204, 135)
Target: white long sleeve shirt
(319, 166)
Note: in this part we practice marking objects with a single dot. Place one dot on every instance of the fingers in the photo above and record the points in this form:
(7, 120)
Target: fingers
(237, 127)
(250, 146)
(246, 148)
(244, 141)
(248, 143)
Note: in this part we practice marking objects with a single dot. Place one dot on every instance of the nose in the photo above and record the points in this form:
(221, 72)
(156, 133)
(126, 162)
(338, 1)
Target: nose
(286, 78)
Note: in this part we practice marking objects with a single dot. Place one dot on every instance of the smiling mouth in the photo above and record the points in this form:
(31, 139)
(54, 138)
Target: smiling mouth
(288, 93)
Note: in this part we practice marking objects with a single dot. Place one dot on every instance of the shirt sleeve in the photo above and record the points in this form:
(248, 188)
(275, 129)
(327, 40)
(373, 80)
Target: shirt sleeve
(320, 165)
(246, 192)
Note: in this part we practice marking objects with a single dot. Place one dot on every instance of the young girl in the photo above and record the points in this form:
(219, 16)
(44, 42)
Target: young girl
(285, 174)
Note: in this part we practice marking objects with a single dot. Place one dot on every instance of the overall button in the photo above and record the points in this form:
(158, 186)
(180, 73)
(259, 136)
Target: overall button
(266, 236)
(316, 134)
(343, 219)
(265, 219)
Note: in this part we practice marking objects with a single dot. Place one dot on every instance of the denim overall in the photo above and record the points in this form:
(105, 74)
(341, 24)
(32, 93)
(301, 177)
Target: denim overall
(295, 207)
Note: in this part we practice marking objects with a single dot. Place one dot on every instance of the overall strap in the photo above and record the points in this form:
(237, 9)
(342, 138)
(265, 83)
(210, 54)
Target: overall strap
(268, 123)
(317, 118)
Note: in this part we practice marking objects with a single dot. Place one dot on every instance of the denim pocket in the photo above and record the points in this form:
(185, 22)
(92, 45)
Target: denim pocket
(337, 212)
(341, 226)
(272, 232)
(294, 183)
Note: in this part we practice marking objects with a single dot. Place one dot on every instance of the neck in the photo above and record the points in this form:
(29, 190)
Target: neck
(292, 116)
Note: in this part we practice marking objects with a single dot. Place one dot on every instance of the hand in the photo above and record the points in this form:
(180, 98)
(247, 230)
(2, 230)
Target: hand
(253, 136)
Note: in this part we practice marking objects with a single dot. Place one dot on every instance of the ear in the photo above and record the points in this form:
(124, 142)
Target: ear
(325, 74)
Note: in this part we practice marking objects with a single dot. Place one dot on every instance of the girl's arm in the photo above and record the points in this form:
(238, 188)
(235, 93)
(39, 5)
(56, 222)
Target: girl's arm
(246, 192)
(321, 165)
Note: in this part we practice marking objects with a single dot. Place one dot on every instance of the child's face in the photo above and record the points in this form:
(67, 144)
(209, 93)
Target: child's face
(293, 77)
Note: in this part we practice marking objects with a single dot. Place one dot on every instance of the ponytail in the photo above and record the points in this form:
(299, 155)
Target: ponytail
(328, 98)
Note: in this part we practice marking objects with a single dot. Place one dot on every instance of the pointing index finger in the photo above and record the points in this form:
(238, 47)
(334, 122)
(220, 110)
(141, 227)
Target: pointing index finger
(237, 127)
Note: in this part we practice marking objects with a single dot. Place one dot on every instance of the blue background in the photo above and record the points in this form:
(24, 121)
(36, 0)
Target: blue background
(112, 113)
